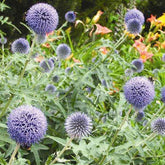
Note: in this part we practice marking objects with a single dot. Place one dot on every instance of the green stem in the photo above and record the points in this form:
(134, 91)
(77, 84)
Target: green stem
(3, 55)
(14, 153)
(62, 151)
(115, 136)
(70, 42)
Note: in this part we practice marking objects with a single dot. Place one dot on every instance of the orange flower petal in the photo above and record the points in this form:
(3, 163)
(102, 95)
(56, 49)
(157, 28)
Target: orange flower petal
(102, 29)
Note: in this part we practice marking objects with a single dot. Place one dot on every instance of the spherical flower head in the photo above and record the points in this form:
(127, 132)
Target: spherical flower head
(20, 45)
(50, 88)
(138, 65)
(67, 70)
(163, 94)
(3, 40)
(140, 115)
(70, 16)
(128, 72)
(56, 78)
(47, 65)
(158, 126)
(134, 14)
(27, 125)
(134, 26)
(139, 92)
(63, 51)
(78, 125)
(42, 18)
(41, 38)
(163, 57)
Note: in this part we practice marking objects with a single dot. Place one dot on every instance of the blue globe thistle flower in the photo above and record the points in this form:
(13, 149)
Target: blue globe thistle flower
(67, 70)
(70, 16)
(103, 82)
(3, 40)
(139, 92)
(163, 57)
(41, 38)
(20, 45)
(52, 59)
(42, 18)
(47, 65)
(63, 51)
(139, 66)
(163, 94)
(93, 59)
(158, 126)
(56, 78)
(50, 88)
(27, 125)
(140, 116)
(128, 72)
(134, 14)
(78, 125)
(134, 26)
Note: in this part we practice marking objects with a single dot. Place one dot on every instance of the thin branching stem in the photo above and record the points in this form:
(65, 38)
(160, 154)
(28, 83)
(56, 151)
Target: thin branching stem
(14, 153)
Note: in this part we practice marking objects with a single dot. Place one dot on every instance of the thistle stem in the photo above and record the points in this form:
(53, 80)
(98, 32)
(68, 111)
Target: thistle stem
(62, 151)
(14, 153)
(115, 136)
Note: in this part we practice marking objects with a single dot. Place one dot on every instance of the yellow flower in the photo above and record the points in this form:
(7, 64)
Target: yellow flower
(162, 19)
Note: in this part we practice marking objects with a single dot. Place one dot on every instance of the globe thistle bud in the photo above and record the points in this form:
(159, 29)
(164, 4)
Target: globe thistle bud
(134, 14)
(63, 51)
(139, 66)
(128, 72)
(155, 71)
(42, 18)
(20, 45)
(78, 125)
(3, 40)
(139, 92)
(103, 82)
(67, 70)
(163, 94)
(140, 116)
(158, 126)
(27, 125)
(70, 16)
(56, 78)
(47, 65)
(50, 88)
(134, 26)
(41, 38)
(163, 57)
(52, 59)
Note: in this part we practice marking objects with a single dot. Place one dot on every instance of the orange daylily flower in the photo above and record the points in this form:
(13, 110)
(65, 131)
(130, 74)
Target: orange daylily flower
(68, 58)
(96, 18)
(102, 29)
(152, 37)
(46, 45)
(103, 50)
(144, 55)
(139, 45)
(76, 60)
(152, 19)
(49, 34)
(39, 58)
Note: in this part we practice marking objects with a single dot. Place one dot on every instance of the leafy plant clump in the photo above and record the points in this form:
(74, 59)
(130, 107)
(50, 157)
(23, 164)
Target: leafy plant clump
(83, 100)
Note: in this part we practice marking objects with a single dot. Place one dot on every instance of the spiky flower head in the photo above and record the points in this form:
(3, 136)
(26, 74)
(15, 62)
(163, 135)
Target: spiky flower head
(56, 78)
(134, 14)
(50, 88)
(139, 92)
(138, 65)
(27, 125)
(47, 65)
(41, 38)
(70, 16)
(42, 18)
(140, 115)
(128, 72)
(20, 45)
(63, 51)
(3, 40)
(158, 126)
(78, 125)
(163, 57)
(163, 94)
(134, 26)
